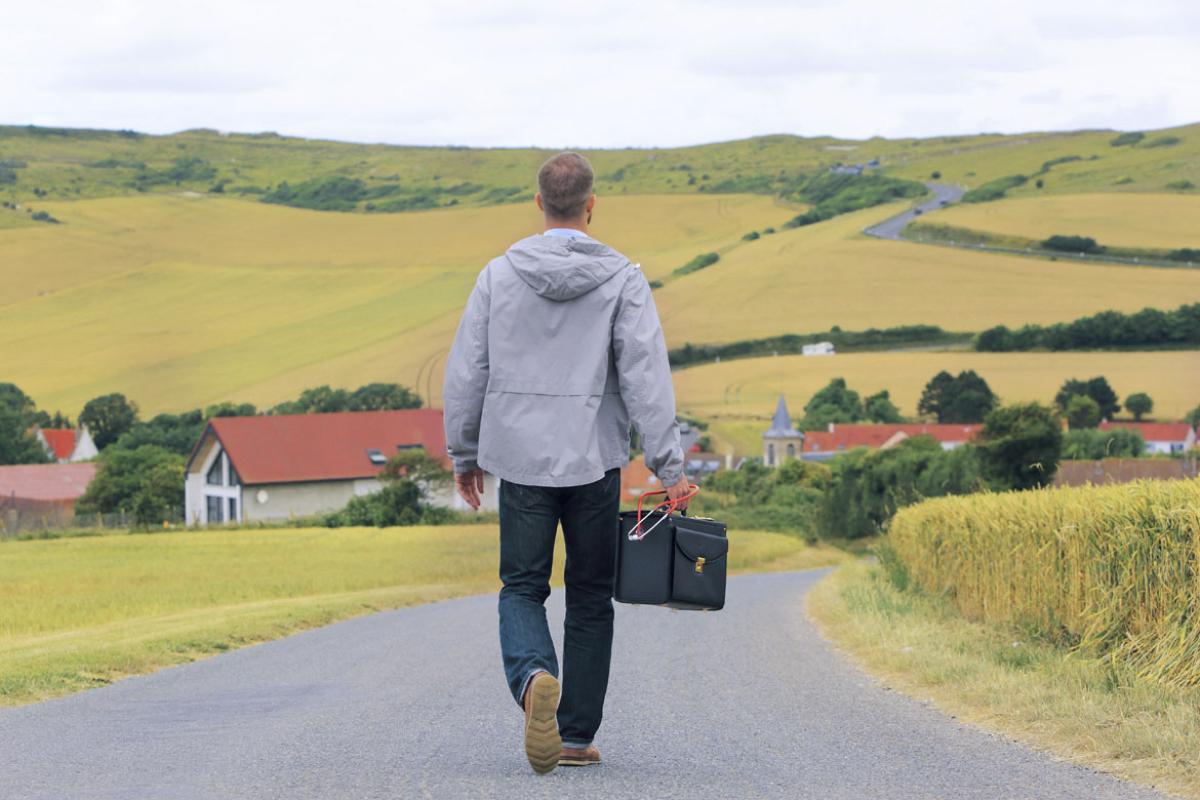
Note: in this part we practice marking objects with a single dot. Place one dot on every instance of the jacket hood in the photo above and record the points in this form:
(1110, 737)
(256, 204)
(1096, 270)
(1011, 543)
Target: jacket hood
(562, 268)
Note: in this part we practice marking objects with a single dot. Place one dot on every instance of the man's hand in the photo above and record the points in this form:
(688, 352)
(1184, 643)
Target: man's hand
(470, 486)
(680, 489)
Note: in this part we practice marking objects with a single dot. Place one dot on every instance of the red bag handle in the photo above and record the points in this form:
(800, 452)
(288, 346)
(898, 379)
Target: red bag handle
(670, 505)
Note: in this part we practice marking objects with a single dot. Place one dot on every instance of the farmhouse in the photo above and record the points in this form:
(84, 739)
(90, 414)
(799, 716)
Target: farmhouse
(37, 495)
(820, 445)
(1161, 437)
(67, 446)
(247, 469)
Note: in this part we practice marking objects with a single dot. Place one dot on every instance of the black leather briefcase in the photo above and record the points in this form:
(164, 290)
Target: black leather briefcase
(671, 560)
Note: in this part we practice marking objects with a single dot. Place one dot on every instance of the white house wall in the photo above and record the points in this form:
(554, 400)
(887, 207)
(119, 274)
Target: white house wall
(279, 501)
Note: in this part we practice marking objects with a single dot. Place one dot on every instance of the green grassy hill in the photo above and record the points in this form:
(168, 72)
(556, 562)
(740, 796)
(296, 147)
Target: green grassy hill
(168, 278)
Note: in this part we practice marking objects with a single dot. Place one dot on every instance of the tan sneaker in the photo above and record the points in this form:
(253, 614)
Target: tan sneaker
(574, 757)
(543, 745)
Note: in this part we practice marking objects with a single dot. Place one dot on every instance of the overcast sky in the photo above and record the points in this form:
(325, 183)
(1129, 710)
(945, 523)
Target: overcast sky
(600, 74)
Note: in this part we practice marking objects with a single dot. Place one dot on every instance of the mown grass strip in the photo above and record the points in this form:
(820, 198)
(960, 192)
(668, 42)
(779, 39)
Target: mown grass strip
(1087, 710)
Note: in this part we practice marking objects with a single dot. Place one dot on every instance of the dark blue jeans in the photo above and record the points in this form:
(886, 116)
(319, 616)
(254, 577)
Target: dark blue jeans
(529, 519)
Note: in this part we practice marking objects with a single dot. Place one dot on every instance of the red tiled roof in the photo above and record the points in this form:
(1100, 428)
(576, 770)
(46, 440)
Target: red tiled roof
(847, 436)
(1154, 431)
(61, 441)
(45, 481)
(321, 447)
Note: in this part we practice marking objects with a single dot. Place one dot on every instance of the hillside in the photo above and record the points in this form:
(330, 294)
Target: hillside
(39, 164)
(169, 280)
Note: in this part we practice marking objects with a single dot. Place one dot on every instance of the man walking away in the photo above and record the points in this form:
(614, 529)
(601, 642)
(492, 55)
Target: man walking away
(559, 348)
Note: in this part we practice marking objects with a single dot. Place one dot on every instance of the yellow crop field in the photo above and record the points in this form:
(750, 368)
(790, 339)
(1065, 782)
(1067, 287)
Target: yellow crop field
(179, 301)
(738, 397)
(1163, 221)
(812, 278)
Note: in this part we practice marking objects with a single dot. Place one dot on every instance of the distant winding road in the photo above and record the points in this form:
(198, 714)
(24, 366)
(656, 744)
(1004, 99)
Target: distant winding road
(943, 194)
(748, 702)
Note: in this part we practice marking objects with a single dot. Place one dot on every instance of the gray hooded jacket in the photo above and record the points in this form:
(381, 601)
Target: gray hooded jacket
(558, 348)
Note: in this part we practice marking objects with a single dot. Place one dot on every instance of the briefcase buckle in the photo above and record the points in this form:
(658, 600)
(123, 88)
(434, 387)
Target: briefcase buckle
(700, 565)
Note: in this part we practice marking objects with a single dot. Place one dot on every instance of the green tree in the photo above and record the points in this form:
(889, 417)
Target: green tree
(18, 445)
(1096, 388)
(964, 398)
(227, 409)
(174, 432)
(1193, 417)
(1082, 412)
(1093, 444)
(317, 400)
(147, 482)
(1139, 404)
(107, 417)
(383, 397)
(880, 408)
(1020, 445)
(834, 403)
(417, 465)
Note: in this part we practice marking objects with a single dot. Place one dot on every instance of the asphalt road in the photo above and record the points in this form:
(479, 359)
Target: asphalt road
(748, 702)
(890, 228)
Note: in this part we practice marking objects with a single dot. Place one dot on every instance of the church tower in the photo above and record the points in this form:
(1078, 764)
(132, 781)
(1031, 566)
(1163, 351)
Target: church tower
(781, 441)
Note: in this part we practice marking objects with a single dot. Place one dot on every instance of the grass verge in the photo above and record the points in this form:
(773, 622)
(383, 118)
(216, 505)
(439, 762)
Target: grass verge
(82, 612)
(1084, 710)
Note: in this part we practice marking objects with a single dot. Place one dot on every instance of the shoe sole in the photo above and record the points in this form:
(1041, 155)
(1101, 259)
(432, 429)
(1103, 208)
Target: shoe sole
(543, 744)
(569, 762)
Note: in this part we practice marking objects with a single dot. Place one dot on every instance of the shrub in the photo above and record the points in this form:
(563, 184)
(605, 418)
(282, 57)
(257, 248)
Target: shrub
(1184, 254)
(7, 175)
(750, 237)
(698, 263)
(1091, 443)
(147, 482)
(1020, 445)
(834, 193)
(1127, 139)
(781, 499)
(44, 216)
(994, 189)
(935, 175)
(1163, 141)
(1071, 244)
(1182, 185)
(1103, 569)
(323, 194)
(868, 486)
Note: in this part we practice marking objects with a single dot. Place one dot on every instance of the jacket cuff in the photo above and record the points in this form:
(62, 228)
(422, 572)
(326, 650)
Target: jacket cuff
(465, 465)
(669, 477)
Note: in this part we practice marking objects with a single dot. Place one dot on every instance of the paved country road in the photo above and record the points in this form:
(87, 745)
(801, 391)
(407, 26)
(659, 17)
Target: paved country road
(890, 228)
(748, 702)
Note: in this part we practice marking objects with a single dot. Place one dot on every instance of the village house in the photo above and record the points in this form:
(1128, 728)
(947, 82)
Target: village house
(41, 495)
(67, 446)
(1161, 437)
(781, 441)
(246, 469)
(842, 436)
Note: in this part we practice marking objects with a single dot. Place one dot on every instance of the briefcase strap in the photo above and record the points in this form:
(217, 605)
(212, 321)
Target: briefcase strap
(636, 534)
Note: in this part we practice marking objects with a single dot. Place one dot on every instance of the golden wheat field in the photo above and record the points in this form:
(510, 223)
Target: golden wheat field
(739, 396)
(180, 301)
(812, 278)
(1164, 221)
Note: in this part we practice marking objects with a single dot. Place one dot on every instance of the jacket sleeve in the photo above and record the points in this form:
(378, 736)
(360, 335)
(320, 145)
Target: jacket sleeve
(644, 375)
(467, 379)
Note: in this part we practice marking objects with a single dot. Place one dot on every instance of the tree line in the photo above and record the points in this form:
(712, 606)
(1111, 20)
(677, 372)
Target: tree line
(1146, 328)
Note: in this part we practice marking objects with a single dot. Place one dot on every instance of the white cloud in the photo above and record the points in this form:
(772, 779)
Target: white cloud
(609, 74)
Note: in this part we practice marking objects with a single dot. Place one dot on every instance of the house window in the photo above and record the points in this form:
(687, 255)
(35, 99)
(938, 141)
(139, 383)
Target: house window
(791, 451)
(214, 472)
(376, 455)
(771, 454)
(232, 517)
(214, 509)
(234, 480)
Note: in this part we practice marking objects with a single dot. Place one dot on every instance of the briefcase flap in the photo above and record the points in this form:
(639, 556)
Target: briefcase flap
(694, 545)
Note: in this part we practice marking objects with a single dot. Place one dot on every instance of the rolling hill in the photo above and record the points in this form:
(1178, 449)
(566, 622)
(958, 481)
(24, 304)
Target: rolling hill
(169, 279)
